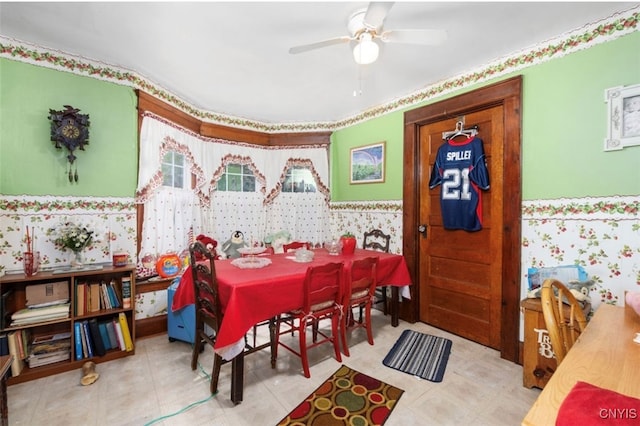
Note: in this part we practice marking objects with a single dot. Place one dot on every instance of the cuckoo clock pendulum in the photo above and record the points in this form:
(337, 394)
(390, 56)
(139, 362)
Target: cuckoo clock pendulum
(70, 130)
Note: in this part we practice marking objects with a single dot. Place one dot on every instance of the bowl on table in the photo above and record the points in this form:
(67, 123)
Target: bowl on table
(303, 255)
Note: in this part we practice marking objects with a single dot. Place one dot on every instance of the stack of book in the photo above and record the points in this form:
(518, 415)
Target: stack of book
(50, 348)
(35, 314)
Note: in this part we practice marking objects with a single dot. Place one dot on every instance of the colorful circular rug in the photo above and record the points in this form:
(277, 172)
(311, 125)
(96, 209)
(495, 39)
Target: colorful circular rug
(349, 398)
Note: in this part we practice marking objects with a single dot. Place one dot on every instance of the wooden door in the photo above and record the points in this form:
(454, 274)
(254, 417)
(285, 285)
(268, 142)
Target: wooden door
(468, 283)
(461, 279)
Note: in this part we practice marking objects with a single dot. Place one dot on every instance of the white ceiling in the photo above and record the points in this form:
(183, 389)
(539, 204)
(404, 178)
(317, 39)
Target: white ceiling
(232, 58)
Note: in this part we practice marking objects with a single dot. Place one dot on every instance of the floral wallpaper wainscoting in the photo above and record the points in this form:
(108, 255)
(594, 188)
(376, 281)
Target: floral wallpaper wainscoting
(111, 222)
(358, 217)
(600, 234)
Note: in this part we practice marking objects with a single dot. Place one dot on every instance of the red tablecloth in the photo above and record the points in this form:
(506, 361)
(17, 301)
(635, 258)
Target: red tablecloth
(249, 296)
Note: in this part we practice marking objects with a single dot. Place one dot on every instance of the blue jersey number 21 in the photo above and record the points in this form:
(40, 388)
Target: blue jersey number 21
(455, 185)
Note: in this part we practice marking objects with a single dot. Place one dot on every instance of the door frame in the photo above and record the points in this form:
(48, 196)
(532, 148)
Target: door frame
(507, 93)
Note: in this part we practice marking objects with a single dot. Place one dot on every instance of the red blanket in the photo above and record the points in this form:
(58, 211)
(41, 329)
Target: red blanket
(587, 404)
(184, 293)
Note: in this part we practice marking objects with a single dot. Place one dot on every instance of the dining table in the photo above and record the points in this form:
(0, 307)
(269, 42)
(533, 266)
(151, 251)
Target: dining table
(253, 294)
(599, 376)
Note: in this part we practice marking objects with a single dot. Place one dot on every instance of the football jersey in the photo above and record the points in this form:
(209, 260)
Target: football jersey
(461, 169)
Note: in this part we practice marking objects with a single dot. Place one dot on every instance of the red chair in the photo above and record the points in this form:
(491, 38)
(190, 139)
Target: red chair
(294, 245)
(360, 292)
(378, 241)
(323, 297)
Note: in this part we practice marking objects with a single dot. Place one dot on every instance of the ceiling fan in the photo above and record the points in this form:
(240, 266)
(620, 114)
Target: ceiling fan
(365, 28)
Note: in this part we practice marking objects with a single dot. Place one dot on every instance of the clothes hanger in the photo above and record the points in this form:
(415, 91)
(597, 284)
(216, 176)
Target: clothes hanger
(460, 131)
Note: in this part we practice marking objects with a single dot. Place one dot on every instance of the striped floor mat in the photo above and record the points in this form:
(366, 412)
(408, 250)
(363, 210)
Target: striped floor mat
(420, 355)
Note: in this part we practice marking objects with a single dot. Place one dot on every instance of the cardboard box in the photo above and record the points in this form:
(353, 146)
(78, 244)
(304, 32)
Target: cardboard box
(38, 294)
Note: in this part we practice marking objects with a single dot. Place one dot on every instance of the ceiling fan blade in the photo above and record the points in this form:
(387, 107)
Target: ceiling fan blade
(319, 44)
(376, 13)
(423, 37)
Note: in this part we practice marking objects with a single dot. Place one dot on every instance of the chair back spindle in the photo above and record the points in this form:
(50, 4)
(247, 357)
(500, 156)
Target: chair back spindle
(564, 323)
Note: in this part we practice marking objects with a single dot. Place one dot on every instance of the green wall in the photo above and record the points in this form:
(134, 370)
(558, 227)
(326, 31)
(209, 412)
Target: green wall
(563, 129)
(29, 162)
(564, 124)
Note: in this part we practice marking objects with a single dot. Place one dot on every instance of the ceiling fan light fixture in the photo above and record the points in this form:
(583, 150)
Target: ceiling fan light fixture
(366, 51)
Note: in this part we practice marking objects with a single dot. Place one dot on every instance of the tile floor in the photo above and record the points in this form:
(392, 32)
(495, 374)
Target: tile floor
(157, 387)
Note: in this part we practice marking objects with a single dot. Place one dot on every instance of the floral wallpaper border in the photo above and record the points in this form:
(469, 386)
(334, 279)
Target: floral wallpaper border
(604, 30)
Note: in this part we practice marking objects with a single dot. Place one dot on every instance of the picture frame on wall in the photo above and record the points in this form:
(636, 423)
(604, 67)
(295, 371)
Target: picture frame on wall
(623, 117)
(368, 163)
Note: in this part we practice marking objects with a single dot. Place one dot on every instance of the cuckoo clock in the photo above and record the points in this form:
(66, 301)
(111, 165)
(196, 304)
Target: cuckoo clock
(70, 130)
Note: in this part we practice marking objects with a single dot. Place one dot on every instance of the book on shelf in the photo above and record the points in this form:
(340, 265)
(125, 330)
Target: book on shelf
(118, 293)
(105, 296)
(126, 293)
(96, 338)
(80, 298)
(23, 336)
(77, 337)
(33, 315)
(118, 330)
(94, 297)
(115, 303)
(111, 331)
(87, 338)
(4, 344)
(83, 341)
(18, 363)
(104, 335)
(6, 302)
(20, 345)
(128, 342)
(47, 358)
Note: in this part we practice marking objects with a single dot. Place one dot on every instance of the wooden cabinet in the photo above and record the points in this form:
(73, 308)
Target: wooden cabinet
(16, 287)
(538, 361)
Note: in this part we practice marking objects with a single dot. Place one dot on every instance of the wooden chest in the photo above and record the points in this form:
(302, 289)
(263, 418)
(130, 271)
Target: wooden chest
(538, 361)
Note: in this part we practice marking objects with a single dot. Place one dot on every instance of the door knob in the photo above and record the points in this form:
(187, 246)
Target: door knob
(423, 230)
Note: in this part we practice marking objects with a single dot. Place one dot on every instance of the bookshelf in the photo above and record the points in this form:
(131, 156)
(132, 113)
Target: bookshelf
(16, 287)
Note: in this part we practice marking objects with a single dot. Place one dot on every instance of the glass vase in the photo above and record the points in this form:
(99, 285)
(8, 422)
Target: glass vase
(77, 260)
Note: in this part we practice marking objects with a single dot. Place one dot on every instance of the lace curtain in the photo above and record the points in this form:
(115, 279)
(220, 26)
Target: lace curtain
(169, 217)
(173, 217)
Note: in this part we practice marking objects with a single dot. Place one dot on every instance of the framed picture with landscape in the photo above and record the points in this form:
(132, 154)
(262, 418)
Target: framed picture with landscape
(367, 163)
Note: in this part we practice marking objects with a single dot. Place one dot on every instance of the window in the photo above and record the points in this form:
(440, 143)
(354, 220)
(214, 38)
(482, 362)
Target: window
(173, 170)
(299, 179)
(237, 178)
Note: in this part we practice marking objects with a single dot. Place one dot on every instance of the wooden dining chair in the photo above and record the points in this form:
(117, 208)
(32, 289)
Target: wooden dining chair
(377, 240)
(564, 323)
(209, 312)
(359, 292)
(294, 245)
(323, 298)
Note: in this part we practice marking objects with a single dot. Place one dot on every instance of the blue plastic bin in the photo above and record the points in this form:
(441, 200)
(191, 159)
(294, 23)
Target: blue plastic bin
(180, 324)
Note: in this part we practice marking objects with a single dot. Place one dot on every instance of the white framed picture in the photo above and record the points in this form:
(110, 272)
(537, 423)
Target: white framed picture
(623, 117)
